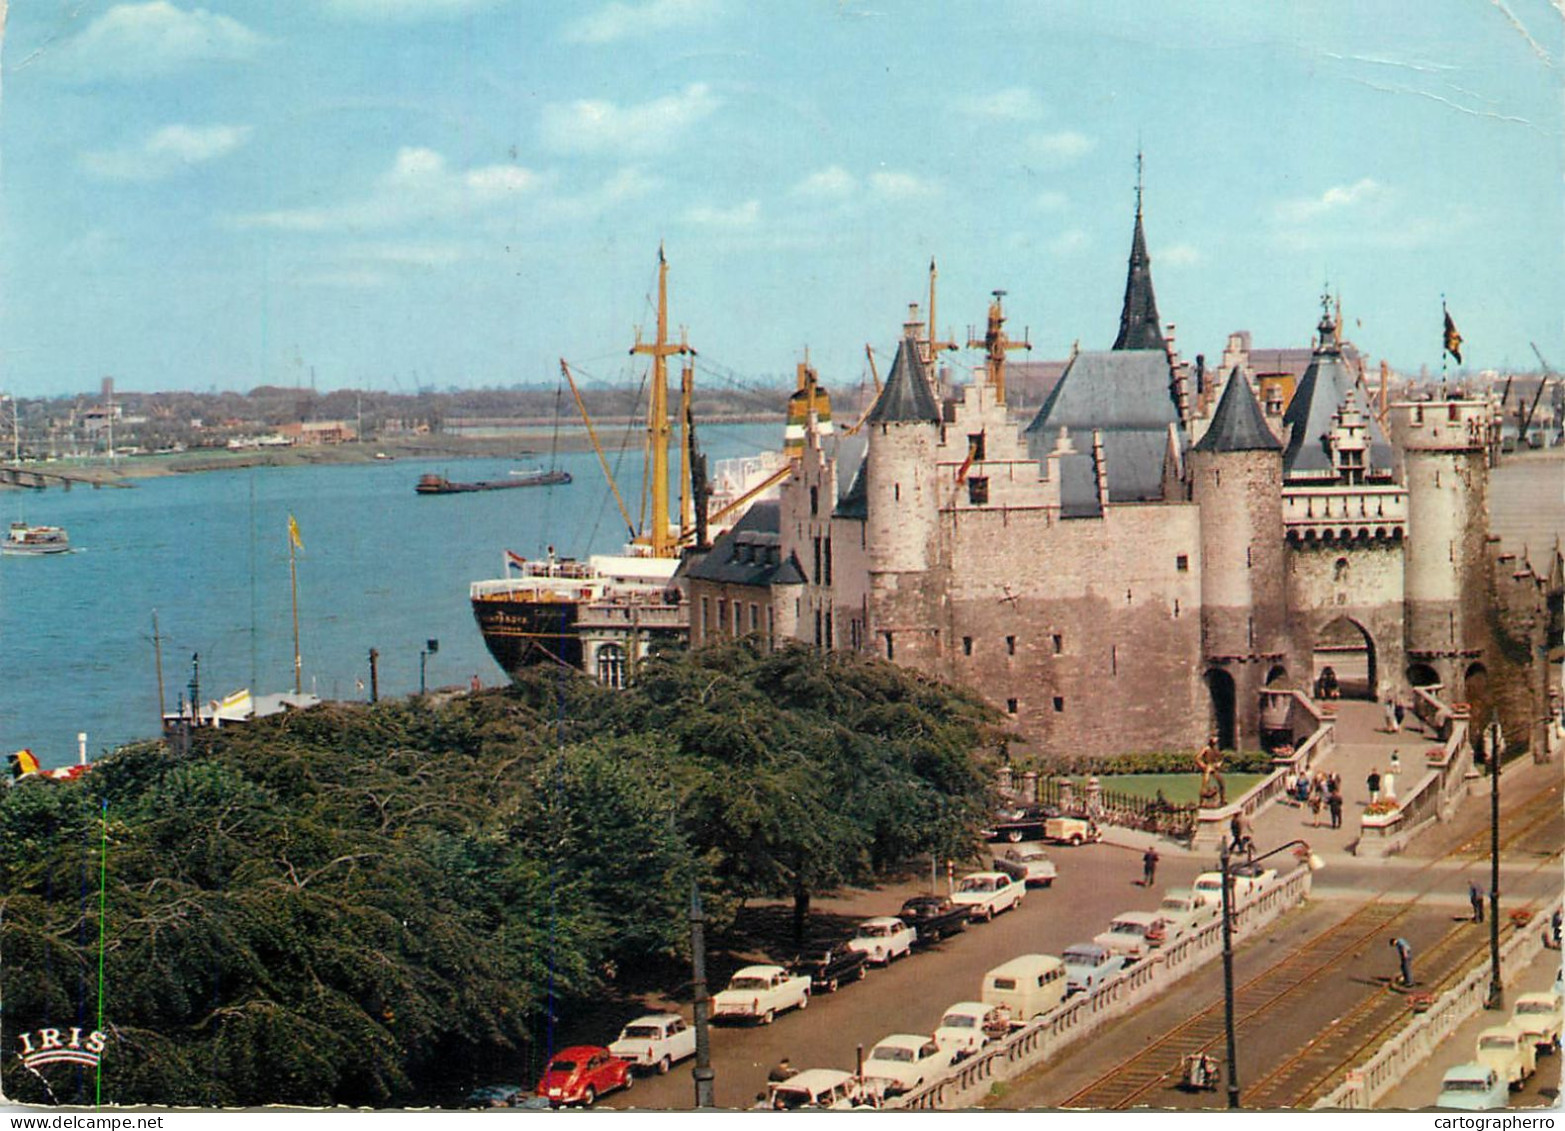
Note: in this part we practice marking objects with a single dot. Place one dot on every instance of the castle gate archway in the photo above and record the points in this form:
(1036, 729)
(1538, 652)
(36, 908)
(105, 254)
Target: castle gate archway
(1221, 686)
(1345, 648)
(1422, 675)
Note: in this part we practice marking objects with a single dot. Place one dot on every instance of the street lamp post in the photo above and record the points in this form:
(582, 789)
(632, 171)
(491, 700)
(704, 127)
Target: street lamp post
(703, 1074)
(1224, 860)
(431, 646)
(1495, 743)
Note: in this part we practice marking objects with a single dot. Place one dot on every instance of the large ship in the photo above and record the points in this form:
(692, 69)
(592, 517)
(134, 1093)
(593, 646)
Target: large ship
(606, 613)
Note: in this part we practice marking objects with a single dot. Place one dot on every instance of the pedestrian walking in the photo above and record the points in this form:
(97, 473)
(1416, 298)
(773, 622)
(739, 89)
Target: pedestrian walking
(1148, 867)
(1235, 833)
(1475, 897)
(1373, 782)
(1400, 712)
(1334, 803)
(1404, 951)
(782, 1070)
(1388, 780)
(1316, 789)
(1391, 717)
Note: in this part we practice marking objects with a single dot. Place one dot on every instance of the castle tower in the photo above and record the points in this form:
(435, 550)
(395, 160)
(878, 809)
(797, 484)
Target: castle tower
(1139, 328)
(1236, 479)
(1447, 573)
(901, 507)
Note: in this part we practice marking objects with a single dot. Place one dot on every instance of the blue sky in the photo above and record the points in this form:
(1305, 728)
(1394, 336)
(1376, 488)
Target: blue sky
(458, 192)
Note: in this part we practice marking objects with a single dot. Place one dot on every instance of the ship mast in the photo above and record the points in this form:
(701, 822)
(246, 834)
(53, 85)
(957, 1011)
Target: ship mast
(659, 538)
(995, 343)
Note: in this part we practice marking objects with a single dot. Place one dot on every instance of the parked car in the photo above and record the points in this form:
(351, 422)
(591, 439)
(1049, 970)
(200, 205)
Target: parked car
(496, 1095)
(1028, 863)
(1507, 1050)
(1088, 965)
(1072, 830)
(968, 1026)
(1020, 822)
(830, 965)
(820, 1089)
(1134, 934)
(933, 917)
(1187, 911)
(884, 939)
(906, 1061)
(1472, 1087)
(1538, 1017)
(1249, 881)
(1027, 985)
(986, 894)
(655, 1042)
(582, 1073)
(760, 993)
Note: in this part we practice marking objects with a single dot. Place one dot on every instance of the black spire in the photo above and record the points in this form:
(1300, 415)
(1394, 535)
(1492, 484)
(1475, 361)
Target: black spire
(1139, 327)
(906, 397)
(1237, 425)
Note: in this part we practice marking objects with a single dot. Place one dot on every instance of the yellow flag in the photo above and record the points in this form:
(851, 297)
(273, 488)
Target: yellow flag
(293, 533)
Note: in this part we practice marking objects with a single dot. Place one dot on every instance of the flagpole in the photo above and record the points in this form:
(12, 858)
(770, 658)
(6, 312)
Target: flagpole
(103, 896)
(293, 585)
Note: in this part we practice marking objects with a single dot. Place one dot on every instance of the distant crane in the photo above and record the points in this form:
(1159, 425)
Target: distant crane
(1548, 372)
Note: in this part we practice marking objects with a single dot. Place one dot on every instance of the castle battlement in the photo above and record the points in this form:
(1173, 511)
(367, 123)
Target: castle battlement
(1443, 426)
(1344, 514)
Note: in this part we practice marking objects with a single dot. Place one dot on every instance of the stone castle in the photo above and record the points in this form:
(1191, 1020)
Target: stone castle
(1129, 567)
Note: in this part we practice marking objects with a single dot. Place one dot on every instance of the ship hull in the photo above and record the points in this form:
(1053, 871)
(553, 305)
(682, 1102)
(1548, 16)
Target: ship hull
(521, 632)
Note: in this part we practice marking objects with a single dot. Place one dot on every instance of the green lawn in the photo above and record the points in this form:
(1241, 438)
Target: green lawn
(1178, 789)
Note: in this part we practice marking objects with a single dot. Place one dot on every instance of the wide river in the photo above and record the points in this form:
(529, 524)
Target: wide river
(381, 568)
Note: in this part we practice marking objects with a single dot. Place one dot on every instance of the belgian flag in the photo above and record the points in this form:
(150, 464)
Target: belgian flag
(1453, 340)
(22, 763)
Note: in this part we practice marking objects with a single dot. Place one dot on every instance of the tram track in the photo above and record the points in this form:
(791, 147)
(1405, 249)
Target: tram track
(1261, 999)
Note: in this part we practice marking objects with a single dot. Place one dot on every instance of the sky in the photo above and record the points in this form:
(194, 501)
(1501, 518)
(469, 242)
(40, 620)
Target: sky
(387, 194)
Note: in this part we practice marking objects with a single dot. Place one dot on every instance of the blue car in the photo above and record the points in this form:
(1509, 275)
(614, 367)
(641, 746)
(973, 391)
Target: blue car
(1088, 965)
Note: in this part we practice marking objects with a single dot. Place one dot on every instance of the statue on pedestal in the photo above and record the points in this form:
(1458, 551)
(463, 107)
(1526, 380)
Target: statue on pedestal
(1214, 794)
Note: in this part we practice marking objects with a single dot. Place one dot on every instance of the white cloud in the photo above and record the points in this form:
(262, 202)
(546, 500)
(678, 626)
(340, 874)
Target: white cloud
(418, 188)
(740, 216)
(1177, 255)
(831, 183)
(1051, 201)
(629, 183)
(902, 186)
(1061, 147)
(1068, 242)
(136, 41)
(1014, 104)
(406, 11)
(172, 149)
(1336, 199)
(599, 126)
(618, 20)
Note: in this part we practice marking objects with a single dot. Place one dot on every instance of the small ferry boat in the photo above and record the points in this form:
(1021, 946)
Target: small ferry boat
(31, 540)
(432, 484)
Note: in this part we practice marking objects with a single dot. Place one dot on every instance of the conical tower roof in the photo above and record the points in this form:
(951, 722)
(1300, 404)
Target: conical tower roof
(1237, 425)
(1139, 326)
(1323, 390)
(907, 397)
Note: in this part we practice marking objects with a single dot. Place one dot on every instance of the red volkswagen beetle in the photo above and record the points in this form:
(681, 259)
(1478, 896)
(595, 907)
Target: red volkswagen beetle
(582, 1073)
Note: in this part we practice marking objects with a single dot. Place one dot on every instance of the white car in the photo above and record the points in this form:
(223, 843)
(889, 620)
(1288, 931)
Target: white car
(986, 894)
(820, 1089)
(968, 1026)
(1538, 1017)
(655, 1042)
(760, 993)
(1134, 934)
(1188, 911)
(1028, 863)
(883, 939)
(1507, 1050)
(1088, 965)
(906, 1061)
(1247, 885)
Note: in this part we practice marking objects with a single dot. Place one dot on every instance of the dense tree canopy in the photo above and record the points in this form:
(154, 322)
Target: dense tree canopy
(340, 905)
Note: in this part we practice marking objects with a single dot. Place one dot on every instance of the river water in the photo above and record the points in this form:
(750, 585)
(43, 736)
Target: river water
(381, 568)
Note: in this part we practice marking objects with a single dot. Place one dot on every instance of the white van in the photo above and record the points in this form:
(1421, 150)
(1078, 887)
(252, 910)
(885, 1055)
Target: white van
(1029, 984)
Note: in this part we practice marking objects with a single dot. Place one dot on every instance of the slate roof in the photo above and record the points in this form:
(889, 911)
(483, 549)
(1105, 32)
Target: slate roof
(1139, 327)
(1237, 425)
(1079, 487)
(855, 501)
(906, 397)
(1322, 391)
(750, 553)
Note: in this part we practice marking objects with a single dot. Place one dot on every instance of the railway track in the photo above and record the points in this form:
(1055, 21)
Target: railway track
(1263, 1000)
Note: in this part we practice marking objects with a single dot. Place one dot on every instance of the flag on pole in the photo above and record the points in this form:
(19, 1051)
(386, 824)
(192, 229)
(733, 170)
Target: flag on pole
(298, 543)
(972, 454)
(23, 762)
(1453, 340)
